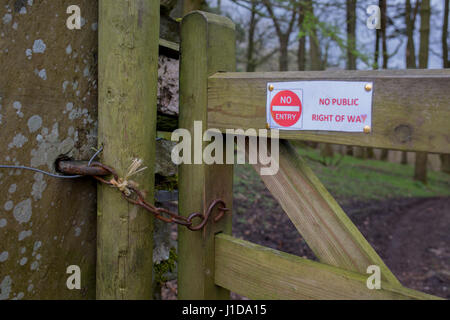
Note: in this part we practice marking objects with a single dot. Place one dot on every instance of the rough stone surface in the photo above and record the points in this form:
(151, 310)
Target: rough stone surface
(48, 108)
(48, 97)
(163, 164)
(168, 85)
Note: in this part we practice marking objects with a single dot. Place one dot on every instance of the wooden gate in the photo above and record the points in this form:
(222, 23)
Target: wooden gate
(410, 112)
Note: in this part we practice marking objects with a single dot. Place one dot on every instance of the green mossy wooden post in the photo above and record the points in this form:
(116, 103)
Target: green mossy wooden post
(207, 46)
(128, 66)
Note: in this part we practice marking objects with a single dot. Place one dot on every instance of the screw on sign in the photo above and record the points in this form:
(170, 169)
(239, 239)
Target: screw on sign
(286, 108)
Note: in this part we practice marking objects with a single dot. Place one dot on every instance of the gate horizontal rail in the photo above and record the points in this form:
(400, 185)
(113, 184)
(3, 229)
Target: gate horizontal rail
(410, 112)
(259, 272)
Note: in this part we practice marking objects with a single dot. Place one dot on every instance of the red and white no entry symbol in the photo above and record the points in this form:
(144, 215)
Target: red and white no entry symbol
(286, 108)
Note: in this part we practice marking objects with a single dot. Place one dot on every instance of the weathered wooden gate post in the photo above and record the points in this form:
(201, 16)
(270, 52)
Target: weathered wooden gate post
(207, 46)
(128, 66)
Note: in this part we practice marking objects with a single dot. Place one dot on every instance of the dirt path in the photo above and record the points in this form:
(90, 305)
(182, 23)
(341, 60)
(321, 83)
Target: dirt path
(411, 235)
(413, 238)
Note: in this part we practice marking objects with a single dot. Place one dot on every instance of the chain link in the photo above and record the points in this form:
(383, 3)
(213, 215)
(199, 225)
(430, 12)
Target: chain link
(135, 196)
(129, 190)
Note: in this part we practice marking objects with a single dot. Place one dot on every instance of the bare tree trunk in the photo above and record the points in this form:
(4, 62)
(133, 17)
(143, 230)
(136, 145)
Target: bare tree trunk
(351, 58)
(445, 158)
(350, 151)
(284, 60)
(283, 36)
(370, 154)
(360, 153)
(445, 35)
(301, 54)
(410, 19)
(420, 170)
(384, 154)
(445, 163)
(326, 150)
(404, 158)
(376, 54)
(381, 33)
(383, 8)
(314, 52)
(351, 34)
(316, 62)
(410, 48)
(251, 65)
(315, 55)
(425, 12)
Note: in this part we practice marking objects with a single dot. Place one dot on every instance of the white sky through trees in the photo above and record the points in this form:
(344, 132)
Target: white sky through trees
(333, 12)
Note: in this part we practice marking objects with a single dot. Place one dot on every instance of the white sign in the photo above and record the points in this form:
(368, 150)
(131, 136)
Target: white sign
(320, 105)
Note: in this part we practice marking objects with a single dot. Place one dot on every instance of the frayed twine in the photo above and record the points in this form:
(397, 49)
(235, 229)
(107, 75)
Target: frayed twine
(123, 184)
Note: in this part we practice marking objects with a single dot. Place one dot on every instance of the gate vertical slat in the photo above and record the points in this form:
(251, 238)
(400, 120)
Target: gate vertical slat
(128, 71)
(207, 47)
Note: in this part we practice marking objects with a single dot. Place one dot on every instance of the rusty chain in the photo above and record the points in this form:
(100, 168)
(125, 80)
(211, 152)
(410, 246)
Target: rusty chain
(133, 195)
(129, 189)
